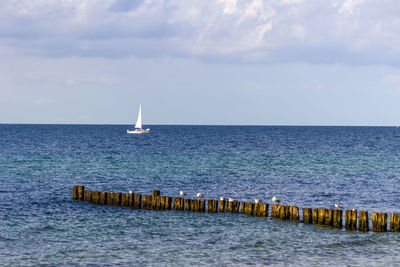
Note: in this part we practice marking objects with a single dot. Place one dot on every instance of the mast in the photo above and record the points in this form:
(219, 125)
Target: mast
(138, 124)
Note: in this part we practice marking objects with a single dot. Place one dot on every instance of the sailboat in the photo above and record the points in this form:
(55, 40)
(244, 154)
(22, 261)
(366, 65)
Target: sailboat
(138, 125)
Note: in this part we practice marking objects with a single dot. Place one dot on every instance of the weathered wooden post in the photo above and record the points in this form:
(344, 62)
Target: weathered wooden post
(328, 221)
(232, 206)
(110, 196)
(212, 206)
(202, 205)
(88, 195)
(96, 197)
(168, 203)
(247, 208)
(307, 215)
(147, 199)
(236, 207)
(321, 216)
(162, 202)
(81, 192)
(75, 192)
(274, 211)
(137, 201)
(294, 213)
(363, 223)
(131, 200)
(125, 199)
(154, 195)
(379, 221)
(315, 216)
(261, 209)
(283, 212)
(188, 204)
(351, 219)
(116, 198)
(395, 222)
(103, 198)
(179, 203)
(222, 205)
(337, 218)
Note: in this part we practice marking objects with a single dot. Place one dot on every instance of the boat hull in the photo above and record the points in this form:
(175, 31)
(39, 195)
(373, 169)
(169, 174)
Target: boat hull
(139, 131)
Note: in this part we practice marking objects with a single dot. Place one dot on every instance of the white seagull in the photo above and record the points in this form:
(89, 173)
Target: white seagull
(181, 193)
(275, 200)
(337, 206)
(222, 199)
(231, 199)
(200, 195)
(257, 200)
(130, 192)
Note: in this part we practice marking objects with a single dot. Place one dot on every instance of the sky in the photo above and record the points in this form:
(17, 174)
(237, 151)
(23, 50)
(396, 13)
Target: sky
(220, 62)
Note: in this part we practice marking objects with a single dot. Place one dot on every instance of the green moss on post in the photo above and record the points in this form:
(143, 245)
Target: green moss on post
(247, 208)
(179, 203)
(328, 221)
(261, 209)
(307, 215)
(351, 220)
(337, 218)
(363, 223)
(395, 222)
(379, 222)
(274, 211)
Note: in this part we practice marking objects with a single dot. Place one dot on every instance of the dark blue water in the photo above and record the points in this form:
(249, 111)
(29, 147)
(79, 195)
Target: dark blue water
(359, 167)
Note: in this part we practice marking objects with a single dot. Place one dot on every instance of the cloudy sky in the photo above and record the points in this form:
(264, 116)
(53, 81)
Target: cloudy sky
(268, 62)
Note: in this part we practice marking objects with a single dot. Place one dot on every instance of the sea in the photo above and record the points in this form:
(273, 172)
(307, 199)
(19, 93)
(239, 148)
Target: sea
(40, 223)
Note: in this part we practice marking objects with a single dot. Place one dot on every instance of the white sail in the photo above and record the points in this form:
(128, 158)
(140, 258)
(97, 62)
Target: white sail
(138, 124)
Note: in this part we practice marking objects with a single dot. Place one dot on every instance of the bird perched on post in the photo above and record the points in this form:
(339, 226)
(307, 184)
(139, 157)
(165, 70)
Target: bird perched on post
(337, 206)
(181, 193)
(222, 199)
(231, 199)
(130, 191)
(200, 195)
(276, 200)
(257, 200)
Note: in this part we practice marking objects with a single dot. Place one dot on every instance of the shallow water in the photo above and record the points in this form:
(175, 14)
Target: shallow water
(359, 167)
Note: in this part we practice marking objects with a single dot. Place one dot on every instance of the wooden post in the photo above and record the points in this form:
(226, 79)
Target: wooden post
(188, 204)
(321, 216)
(261, 209)
(236, 207)
(212, 206)
(337, 218)
(137, 201)
(88, 195)
(96, 197)
(103, 198)
(125, 199)
(247, 208)
(395, 222)
(328, 221)
(294, 213)
(232, 207)
(379, 221)
(274, 211)
(147, 200)
(162, 202)
(116, 199)
(131, 200)
(158, 203)
(283, 212)
(351, 219)
(202, 205)
(154, 195)
(363, 223)
(168, 203)
(74, 192)
(222, 205)
(110, 196)
(81, 192)
(307, 215)
(179, 203)
(315, 216)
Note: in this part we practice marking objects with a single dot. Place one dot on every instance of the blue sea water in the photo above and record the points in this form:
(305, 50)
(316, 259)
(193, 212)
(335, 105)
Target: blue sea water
(358, 167)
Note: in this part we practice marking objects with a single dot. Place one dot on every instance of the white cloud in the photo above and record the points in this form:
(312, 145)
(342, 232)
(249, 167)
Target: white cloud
(346, 31)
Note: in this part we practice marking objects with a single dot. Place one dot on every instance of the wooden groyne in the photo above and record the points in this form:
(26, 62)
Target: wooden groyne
(333, 218)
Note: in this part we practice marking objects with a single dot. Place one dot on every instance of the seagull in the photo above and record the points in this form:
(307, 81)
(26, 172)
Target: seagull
(275, 200)
(257, 200)
(200, 195)
(181, 193)
(130, 192)
(353, 209)
(222, 199)
(337, 206)
(231, 199)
